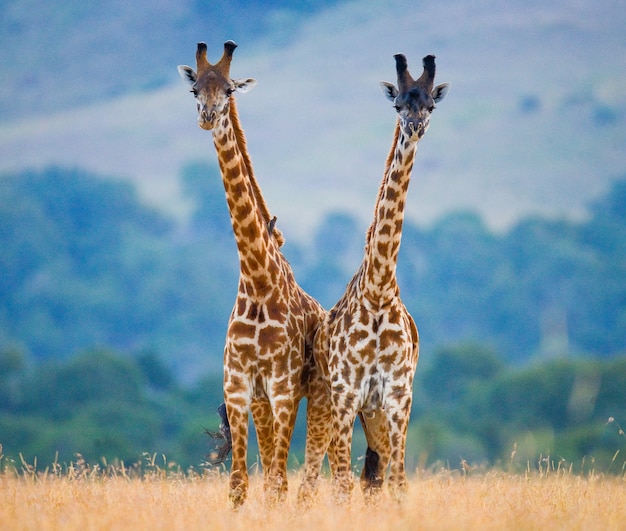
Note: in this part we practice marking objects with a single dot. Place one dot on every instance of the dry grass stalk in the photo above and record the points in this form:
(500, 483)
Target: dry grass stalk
(81, 496)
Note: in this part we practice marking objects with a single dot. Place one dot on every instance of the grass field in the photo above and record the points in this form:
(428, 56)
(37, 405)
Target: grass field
(80, 496)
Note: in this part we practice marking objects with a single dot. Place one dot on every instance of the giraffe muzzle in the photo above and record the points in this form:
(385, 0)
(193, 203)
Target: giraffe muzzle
(415, 129)
(207, 118)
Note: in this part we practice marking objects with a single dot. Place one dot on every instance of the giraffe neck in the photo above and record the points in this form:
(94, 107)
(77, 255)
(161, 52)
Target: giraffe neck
(243, 149)
(256, 251)
(378, 277)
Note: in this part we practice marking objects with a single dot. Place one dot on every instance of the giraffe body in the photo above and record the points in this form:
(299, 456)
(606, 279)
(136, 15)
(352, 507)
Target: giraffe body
(368, 345)
(268, 361)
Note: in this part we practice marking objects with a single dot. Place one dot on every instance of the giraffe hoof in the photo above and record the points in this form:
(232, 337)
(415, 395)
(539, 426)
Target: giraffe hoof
(372, 494)
(237, 497)
(306, 495)
(398, 491)
(342, 492)
(275, 492)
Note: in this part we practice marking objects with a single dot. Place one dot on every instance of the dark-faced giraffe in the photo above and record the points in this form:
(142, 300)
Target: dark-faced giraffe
(268, 361)
(367, 347)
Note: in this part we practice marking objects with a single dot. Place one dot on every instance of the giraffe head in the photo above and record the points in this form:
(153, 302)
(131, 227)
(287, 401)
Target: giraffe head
(212, 86)
(415, 99)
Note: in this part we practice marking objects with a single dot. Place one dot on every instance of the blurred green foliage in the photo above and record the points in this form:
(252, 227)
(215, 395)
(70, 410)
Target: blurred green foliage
(112, 322)
(566, 408)
(84, 263)
(102, 404)
(468, 406)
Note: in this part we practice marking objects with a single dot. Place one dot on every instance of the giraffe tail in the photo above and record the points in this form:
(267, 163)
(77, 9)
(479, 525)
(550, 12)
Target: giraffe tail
(221, 451)
(370, 468)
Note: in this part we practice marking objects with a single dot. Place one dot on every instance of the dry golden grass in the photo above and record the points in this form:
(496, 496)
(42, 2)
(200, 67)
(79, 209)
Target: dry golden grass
(85, 498)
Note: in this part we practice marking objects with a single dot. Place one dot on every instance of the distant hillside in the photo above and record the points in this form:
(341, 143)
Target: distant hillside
(534, 122)
(65, 54)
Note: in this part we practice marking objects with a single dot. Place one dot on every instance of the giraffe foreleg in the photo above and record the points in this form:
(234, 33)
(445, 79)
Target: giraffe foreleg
(398, 414)
(238, 418)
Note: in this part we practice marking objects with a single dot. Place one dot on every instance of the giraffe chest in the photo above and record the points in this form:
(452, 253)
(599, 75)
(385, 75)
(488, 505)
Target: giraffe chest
(265, 341)
(266, 323)
(372, 353)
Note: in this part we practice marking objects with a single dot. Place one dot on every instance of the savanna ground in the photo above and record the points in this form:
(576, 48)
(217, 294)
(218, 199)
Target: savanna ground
(86, 497)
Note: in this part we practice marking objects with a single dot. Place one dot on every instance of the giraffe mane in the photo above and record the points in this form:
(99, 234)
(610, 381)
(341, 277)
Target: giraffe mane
(381, 188)
(256, 189)
(396, 135)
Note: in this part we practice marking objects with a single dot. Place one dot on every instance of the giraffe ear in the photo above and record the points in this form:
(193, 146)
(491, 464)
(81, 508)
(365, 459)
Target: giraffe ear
(440, 91)
(244, 85)
(389, 90)
(188, 74)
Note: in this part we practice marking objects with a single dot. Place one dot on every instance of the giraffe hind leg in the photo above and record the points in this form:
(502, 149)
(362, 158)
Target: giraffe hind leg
(318, 441)
(285, 411)
(343, 415)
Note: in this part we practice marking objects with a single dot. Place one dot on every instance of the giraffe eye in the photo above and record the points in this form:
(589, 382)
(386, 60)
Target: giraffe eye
(194, 92)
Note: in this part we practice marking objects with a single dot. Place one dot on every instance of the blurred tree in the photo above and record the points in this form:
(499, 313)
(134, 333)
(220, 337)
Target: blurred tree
(336, 255)
(75, 251)
(599, 325)
(154, 370)
(12, 373)
(458, 283)
(449, 375)
(58, 390)
(536, 396)
(90, 214)
(611, 395)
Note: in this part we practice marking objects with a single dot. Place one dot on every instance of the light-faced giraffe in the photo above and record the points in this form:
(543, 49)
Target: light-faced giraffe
(268, 361)
(368, 345)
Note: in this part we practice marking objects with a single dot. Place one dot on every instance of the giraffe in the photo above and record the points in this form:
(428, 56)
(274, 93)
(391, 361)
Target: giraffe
(268, 360)
(368, 346)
